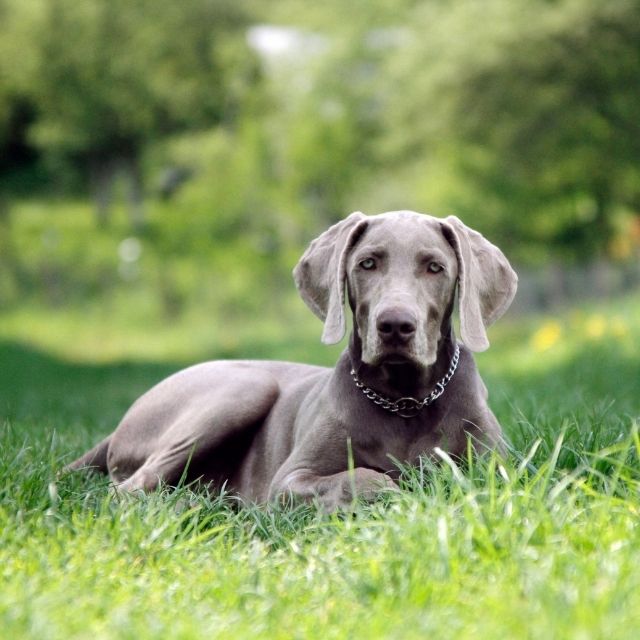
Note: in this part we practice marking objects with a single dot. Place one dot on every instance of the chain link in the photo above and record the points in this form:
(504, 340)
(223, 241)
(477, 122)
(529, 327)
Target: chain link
(409, 407)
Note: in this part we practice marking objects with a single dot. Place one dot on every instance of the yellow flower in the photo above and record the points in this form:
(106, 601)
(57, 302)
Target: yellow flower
(546, 336)
(596, 326)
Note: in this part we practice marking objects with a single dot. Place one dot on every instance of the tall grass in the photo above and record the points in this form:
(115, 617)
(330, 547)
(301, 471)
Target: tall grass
(542, 544)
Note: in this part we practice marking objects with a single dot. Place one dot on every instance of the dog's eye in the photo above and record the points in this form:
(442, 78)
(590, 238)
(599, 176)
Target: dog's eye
(434, 267)
(368, 264)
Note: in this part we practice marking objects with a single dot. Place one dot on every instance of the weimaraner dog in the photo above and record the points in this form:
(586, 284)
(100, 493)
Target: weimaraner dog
(403, 386)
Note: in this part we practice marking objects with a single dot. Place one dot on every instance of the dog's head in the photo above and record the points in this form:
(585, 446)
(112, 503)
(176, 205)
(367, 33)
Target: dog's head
(400, 270)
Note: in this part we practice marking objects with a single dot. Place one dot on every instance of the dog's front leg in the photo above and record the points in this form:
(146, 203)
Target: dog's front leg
(338, 490)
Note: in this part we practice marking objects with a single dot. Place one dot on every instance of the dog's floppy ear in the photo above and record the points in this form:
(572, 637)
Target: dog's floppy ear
(320, 274)
(486, 282)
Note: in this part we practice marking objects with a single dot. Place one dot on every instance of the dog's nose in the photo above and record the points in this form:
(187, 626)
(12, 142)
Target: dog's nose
(396, 325)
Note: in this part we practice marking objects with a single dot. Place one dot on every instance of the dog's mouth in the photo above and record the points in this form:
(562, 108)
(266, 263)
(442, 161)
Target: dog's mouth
(399, 360)
(396, 359)
(377, 353)
(396, 354)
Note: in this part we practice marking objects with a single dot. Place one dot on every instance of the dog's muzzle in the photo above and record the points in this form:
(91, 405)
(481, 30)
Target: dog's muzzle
(396, 327)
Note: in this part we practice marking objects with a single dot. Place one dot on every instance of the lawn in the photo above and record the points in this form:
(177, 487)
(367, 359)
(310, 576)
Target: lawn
(544, 544)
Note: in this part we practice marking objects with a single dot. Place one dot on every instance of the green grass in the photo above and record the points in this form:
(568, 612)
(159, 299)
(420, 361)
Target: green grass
(545, 544)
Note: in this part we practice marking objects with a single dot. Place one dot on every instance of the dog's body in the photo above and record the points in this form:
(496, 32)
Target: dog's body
(271, 428)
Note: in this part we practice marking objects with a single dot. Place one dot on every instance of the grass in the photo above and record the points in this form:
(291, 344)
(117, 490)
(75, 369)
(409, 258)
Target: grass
(545, 544)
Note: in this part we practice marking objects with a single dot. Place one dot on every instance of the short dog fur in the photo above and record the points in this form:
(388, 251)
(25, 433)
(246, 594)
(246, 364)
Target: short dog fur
(266, 429)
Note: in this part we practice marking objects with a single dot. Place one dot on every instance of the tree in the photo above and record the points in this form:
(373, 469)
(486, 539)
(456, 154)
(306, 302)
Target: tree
(112, 75)
(537, 104)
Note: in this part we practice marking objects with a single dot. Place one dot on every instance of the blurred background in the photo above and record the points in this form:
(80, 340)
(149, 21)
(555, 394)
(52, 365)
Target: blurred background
(163, 164)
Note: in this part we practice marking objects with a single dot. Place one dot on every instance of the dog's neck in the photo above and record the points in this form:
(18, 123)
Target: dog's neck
(403, 380)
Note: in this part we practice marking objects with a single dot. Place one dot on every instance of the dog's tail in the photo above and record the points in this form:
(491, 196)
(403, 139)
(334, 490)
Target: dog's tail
(95, 459)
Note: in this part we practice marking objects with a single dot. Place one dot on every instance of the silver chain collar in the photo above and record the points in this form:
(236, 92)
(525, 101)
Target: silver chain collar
(409, 407)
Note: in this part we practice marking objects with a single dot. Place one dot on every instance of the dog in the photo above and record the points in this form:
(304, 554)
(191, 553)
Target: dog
(403, 387)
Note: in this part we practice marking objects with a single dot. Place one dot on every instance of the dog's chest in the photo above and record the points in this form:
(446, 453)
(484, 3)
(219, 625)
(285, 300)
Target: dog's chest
(381, 449)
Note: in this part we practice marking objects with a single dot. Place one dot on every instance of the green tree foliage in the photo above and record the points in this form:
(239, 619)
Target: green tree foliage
(113, 74)
(110, 76)
(16, 66)
(518, 115)
(534, 105)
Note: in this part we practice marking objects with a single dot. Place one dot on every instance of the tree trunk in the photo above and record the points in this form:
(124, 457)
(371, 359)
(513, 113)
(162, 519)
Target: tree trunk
(131, 166)
(103, 173)
(602, 227)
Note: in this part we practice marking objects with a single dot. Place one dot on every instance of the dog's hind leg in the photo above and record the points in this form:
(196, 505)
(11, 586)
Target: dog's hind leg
(95, 459)
(213, 410)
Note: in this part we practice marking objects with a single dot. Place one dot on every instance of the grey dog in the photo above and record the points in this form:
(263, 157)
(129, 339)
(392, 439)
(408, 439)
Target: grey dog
(403, 387)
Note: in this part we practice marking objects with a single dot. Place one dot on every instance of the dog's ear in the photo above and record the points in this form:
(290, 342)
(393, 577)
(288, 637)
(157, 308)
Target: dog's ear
(486, 282)
(320, 274)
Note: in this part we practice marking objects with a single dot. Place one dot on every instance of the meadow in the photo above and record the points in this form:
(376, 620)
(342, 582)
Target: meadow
(543, 544)
(163, 165)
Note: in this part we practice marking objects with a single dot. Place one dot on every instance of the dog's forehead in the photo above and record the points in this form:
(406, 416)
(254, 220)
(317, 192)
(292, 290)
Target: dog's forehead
(406, 229)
